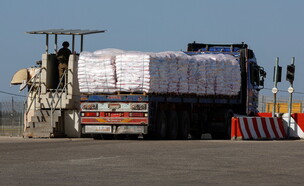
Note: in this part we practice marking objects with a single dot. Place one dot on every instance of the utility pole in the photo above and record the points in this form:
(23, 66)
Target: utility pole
(276, 79)
(290, 77)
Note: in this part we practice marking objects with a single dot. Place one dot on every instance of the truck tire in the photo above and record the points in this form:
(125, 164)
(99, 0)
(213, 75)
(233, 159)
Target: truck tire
(184, 126)
(172, 131)
(132, 136)
(228, 117)
(197, 122)
(196, 135)
(120, 136)
(161, 126)
(107, 136)
(96, 136)
(226, 131)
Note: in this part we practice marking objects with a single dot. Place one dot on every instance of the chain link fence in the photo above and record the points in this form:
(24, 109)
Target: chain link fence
(12, 111)
(11, 116)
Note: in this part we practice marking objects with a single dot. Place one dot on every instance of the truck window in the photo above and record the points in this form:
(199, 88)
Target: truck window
(250, 54)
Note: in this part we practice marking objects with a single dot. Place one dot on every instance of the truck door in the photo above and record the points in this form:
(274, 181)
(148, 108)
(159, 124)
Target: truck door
(255, 84)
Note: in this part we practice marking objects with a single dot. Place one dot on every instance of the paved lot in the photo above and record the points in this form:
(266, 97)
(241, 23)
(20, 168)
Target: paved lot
(127, 162)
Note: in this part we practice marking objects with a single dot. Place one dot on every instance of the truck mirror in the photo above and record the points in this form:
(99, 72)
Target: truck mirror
(262, 76)
(262, 82)
(263, 73)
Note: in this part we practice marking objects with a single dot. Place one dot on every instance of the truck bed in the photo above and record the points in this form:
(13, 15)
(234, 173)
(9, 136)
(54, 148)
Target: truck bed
(170, 98)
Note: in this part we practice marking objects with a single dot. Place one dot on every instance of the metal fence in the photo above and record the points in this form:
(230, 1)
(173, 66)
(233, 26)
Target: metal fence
(266, 101)
(11, 116)
(12, 110)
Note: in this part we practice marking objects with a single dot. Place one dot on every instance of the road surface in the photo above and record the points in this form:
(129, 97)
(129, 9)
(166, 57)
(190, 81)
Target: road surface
(140, 162)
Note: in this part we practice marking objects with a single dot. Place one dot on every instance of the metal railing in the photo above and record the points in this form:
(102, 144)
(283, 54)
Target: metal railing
(59, 92)
(33, 94)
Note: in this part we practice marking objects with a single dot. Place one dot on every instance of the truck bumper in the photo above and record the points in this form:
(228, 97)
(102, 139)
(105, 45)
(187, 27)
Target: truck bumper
(114, 129)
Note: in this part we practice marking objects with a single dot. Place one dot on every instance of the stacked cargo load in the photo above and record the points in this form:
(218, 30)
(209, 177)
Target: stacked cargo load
(112, 70)
(133, 72)
(96, 72)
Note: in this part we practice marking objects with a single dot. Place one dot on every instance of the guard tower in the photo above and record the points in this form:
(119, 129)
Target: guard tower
(51, 110)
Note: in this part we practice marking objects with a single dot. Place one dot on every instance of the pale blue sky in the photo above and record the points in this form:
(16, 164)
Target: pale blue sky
(272, 28)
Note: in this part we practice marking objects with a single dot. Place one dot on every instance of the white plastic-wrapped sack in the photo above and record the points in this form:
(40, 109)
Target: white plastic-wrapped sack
(96, 73)
(132, 70)
(111, 70)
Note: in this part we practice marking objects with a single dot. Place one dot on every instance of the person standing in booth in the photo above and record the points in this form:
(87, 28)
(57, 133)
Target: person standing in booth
(63, 60)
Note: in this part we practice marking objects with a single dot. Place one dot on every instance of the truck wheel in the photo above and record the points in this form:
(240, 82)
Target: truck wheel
(172, 131)
(197, 122)
(161, 126)
(107, 136)
(184, 126)
(196, 135)
(228, 117)
(96, 136)
(120, 136)
(132, 136)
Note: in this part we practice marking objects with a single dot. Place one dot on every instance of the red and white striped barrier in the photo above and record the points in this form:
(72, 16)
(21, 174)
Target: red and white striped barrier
(257, 128)
(296, 128)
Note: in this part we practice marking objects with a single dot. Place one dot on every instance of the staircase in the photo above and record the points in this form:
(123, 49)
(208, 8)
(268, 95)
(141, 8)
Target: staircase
(46, 105)
(40, 125)
(46, 116)
(45, 111)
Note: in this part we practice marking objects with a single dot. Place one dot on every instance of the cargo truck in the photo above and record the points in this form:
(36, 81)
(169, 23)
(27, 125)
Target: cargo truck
(175, 116)
(53, 111)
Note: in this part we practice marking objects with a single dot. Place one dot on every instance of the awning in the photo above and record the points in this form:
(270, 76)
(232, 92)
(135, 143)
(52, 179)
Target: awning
(72, 32)
(66, 32)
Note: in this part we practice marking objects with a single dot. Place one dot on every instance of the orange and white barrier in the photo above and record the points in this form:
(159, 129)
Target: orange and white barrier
(296, 128)
(257, 128)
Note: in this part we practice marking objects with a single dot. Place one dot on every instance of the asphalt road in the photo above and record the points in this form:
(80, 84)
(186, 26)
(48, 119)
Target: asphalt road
(140, 162)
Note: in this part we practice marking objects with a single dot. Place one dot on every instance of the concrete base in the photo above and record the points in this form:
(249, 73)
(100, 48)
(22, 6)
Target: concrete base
(71, 123)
